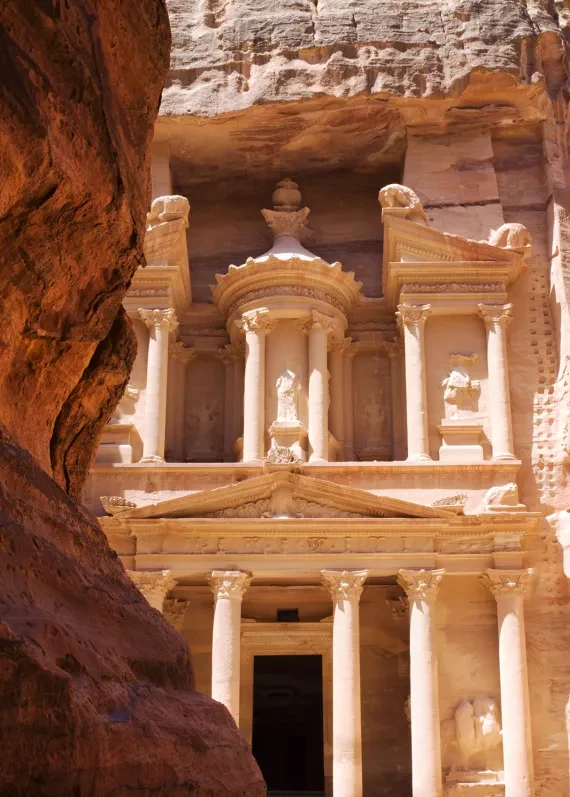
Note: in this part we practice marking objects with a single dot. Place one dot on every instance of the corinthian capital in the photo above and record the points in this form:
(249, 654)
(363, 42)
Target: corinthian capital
(318, 321)
(420, 584)
(496, 314)
(257, 321)
(345, 584)
(412, 315)
(159, 319)
(229, 584)
(507, 583)
(153, 585)
(394, 348)
(181, 353)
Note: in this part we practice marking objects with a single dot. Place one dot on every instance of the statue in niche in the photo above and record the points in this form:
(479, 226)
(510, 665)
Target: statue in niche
(375, 418)
(204, 421)
(460, 391)
(287, 397)
(471, 740)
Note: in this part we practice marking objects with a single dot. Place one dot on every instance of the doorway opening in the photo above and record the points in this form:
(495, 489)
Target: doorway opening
(288, 723)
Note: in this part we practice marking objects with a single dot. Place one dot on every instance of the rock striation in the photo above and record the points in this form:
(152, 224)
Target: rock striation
(96, 688)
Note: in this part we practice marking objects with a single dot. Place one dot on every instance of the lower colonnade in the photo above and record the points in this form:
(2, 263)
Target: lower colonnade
(341, 644)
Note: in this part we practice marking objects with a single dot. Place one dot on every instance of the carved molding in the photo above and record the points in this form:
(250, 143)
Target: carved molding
(345, 585)
(453, 287)
(154, 319)
(507, 583)
(229, 584)
(115, 504)
(420, 584)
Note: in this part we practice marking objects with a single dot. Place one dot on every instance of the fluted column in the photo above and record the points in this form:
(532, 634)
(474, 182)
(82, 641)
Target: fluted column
(338, 347)
(413, 320)
(179, 355)
(508, 587)
(497, 317)
(257, 324)
(160, 324)
(345, 589)
(318, 329)
(421, 587)
(153, 585)
(228, 587)
(395, 350)
(349, 353)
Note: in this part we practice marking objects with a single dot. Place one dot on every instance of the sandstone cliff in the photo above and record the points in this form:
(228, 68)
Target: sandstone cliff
(95, 687)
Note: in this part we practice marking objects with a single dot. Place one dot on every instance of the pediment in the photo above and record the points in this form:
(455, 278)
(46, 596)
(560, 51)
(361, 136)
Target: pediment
(415, 252)
(285, 495)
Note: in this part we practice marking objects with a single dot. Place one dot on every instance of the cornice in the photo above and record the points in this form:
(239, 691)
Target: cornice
(295, 276)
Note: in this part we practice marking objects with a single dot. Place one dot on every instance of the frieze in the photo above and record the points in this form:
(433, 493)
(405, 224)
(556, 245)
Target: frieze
(453, 287)
(142, 292)
(289, 290)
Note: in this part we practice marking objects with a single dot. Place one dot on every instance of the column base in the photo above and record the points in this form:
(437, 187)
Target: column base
(419, 458)
(318, 460)
(252, 461)
(152, 460)
(502, 457)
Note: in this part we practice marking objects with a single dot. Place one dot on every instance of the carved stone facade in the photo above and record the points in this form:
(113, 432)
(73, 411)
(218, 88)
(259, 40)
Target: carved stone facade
(298, 447)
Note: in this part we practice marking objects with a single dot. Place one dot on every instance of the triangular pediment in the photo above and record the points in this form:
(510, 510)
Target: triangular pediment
(282, 495)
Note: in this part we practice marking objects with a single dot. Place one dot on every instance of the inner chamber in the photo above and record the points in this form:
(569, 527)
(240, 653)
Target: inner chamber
(288, 723)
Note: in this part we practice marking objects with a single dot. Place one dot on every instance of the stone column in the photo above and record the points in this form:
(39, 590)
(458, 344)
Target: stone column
(421, 587)
(508, 587)
(395, 350)
(238, 356)
(228, 587)
(345, 589)
(153, 585)
(257, 324)
(160, 324)
(318, 329)
(349, 353)
(413, 320)
(497, 317)
(181, 355)
(229, 407)
(338, 347)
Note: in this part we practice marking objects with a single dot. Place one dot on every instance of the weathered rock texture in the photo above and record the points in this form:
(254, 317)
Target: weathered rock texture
(96, 689)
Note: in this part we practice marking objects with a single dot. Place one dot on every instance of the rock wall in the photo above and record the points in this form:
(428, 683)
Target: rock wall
(96, 688)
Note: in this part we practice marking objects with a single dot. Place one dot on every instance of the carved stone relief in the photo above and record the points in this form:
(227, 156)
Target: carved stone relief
(461, 392)
(471, 740)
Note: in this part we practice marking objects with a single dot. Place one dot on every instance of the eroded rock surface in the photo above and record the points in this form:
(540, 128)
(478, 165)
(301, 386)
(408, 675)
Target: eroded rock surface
(96, 688)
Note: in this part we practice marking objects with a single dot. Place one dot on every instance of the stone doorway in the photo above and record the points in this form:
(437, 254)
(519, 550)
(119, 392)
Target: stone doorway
(287, 738)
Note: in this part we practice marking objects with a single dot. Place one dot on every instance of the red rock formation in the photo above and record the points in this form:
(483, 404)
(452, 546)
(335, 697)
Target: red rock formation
(95, 687)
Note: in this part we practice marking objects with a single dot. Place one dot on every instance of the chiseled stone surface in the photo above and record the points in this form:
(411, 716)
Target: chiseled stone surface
(96, 688)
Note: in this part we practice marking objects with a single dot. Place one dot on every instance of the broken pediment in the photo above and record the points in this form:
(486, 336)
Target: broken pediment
(285, 495)
(415, 254)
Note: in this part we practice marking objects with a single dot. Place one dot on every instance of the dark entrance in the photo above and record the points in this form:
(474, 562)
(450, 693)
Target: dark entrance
(288, 722)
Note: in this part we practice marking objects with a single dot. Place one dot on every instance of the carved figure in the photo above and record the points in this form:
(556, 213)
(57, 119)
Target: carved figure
(472, 738)
(460, 391)
(287, 396)
(400, 196)
(506, 495)
(511, 236)
(375, 418)
(203, 421)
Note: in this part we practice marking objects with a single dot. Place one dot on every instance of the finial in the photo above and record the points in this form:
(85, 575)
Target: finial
(287, 196)
(287, 218)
